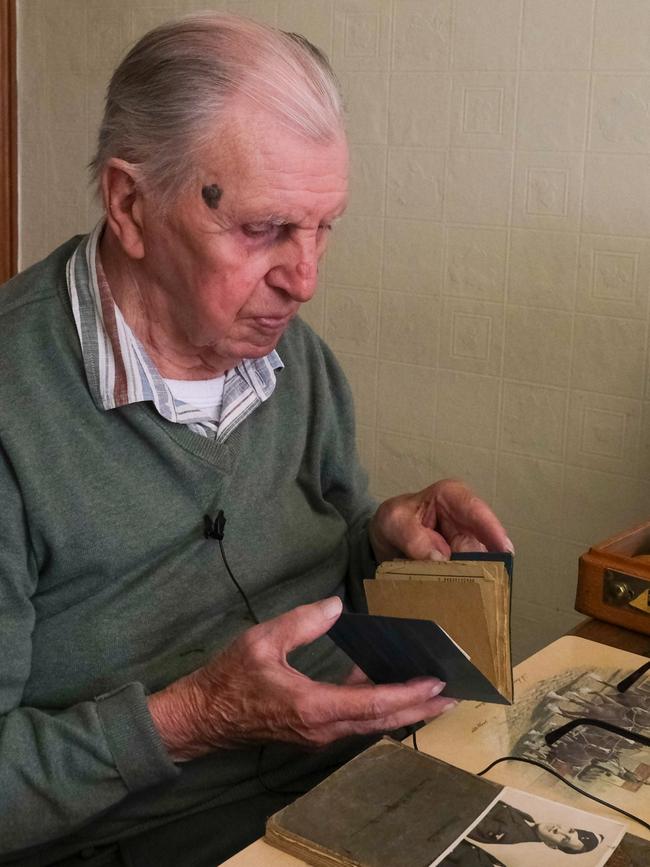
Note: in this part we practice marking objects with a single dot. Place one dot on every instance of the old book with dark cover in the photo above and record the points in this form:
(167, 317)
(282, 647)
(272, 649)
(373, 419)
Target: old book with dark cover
(382, 809)
(449, 619)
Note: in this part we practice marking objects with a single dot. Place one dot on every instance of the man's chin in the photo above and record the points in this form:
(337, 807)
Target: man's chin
(250, 345)
(263, 341)
(251, 350)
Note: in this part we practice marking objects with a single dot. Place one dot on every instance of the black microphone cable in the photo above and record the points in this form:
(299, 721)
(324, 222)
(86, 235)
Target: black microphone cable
(215, 529)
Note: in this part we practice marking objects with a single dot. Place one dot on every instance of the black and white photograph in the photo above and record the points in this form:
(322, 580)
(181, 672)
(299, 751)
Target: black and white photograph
(522, 830)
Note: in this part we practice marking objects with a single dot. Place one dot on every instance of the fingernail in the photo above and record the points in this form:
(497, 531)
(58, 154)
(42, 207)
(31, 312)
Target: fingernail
(509, 546)
(332, 607)
(437, 555)
(449, 706)
(438, 688)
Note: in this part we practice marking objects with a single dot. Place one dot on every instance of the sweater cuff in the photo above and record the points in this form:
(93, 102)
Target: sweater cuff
(138, 751)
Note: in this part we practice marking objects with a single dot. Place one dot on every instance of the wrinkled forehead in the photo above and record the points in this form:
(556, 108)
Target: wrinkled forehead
(257, 161)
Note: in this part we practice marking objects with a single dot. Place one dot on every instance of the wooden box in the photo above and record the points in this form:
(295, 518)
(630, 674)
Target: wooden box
(614, 580)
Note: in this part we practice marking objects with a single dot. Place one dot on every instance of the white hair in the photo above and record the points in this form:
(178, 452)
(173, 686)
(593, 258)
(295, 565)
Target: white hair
(169, 96)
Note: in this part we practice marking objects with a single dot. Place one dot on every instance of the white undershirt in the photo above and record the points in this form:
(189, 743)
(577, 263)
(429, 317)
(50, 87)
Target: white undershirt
(203, 394)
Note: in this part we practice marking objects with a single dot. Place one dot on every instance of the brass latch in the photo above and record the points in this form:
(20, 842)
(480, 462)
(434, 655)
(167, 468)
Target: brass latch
(620, 589)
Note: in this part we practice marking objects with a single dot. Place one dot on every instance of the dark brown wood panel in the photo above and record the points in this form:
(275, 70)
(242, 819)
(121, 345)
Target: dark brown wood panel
(8, 135)
(614, 636)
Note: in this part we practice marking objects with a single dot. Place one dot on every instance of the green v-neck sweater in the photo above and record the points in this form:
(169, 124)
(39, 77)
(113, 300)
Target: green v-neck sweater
(109, 590)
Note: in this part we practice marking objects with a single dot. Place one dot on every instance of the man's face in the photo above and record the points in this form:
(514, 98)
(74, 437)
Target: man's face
(224, 278)
(557, 835)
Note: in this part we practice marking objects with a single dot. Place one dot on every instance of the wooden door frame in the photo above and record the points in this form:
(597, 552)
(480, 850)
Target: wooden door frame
(8, 139)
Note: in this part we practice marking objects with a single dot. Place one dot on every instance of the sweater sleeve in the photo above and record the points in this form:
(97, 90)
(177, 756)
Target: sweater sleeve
(59, 768)
(344, 481)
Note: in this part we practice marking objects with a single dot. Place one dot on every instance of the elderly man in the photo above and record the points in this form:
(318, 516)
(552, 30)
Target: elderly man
(146, 718)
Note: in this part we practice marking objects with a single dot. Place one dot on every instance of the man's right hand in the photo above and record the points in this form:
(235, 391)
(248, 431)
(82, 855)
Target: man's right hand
(250, 694)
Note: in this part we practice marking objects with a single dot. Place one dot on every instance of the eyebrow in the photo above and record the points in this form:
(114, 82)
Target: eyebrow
(279, 220)
(269, 220)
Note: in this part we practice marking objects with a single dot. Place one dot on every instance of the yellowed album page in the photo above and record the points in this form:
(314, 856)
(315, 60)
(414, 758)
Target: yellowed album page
(569, 679)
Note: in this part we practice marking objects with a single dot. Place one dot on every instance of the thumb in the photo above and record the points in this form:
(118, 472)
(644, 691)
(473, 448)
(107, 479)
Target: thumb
(303, 624)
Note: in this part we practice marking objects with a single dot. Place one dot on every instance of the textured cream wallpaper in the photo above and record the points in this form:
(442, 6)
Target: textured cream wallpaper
(488, 292)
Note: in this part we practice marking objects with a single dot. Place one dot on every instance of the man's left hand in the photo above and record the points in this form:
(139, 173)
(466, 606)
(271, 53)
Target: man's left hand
(431, 523)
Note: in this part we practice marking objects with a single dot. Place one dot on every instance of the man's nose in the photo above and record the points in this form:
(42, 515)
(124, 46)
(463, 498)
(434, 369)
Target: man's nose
(296, 271)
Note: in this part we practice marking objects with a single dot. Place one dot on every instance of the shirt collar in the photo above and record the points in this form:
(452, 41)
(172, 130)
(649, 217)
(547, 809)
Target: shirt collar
(119, 369)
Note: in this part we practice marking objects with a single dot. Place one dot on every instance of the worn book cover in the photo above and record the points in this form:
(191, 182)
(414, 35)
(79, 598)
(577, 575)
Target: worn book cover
(447, 619)
(382, 809)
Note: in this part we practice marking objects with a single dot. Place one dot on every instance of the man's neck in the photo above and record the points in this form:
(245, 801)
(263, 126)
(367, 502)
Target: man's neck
(167, 347)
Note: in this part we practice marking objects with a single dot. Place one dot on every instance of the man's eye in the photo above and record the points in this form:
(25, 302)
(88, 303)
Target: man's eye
(260, 230)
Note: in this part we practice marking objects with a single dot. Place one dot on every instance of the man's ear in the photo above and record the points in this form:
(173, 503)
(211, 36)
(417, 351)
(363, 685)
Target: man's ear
(124, 205)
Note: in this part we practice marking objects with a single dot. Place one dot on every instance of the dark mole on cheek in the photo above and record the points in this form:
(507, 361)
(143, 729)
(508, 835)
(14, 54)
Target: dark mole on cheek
(211, 195)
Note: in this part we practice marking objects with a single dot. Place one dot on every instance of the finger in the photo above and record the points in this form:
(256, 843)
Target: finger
(466, 542)
(457, 509)
(428, 711)
(486, 527)
(424, 543)
(408, 716)
(334, 703)
(301, 625)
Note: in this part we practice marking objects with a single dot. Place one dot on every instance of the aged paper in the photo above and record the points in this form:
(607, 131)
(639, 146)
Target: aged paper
(570, 678)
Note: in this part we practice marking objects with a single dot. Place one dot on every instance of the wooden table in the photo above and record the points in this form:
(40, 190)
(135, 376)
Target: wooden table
(613, 636)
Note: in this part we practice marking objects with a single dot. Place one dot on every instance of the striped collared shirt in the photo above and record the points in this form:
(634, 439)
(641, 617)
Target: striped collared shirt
(120, 371)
